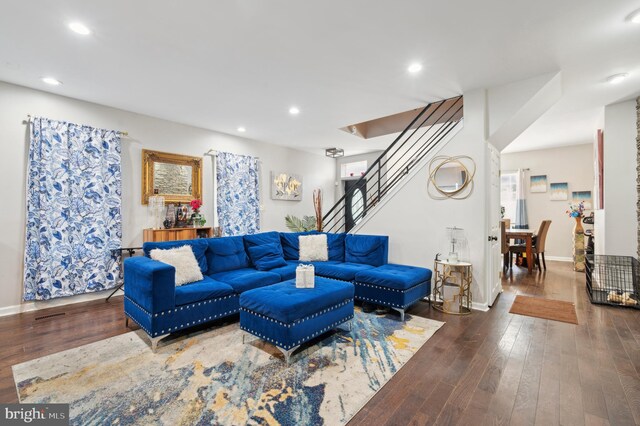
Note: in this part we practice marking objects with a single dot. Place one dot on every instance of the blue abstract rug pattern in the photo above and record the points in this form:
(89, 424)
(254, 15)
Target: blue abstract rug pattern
(211, 377)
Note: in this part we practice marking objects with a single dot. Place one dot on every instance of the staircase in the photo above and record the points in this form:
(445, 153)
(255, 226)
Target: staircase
(425, 133)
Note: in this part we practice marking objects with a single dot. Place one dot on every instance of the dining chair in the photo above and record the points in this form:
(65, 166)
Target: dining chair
(504, 248)
(541, 241)
(537, 246)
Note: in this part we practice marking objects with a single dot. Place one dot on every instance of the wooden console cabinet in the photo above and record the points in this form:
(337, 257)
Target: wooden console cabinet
(175, 234)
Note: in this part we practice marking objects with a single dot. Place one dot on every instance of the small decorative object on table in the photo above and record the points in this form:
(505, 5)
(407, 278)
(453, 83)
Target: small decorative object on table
(182, 216)
(453, 235)
(305, 276)
(196, 217)
(452, 287)
(170, 218)
(576, 211)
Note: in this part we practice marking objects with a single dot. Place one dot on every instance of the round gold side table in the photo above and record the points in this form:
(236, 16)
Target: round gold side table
(452, 287)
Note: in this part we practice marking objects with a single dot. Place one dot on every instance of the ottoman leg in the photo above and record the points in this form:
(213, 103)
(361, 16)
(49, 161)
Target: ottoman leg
(287, 353)
(401, 313)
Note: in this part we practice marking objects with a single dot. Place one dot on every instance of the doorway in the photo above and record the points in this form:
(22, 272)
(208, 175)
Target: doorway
(355, 202)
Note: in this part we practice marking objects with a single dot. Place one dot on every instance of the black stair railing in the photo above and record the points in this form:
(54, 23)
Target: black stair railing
(426, 131)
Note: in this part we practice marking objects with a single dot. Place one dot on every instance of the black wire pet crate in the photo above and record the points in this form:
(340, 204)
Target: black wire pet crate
(613, 280)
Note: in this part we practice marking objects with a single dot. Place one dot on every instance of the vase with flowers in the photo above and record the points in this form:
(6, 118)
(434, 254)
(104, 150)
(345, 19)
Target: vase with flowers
(576, 211)
(196, 217)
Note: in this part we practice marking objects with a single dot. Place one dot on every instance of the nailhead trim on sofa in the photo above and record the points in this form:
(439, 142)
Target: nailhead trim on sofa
(386, 288)
(189, 324)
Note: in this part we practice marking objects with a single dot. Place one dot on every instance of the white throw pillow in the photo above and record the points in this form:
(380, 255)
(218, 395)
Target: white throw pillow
(313, 248)
(181, 258)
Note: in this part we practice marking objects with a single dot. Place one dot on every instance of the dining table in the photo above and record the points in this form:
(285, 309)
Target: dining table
(526, 235)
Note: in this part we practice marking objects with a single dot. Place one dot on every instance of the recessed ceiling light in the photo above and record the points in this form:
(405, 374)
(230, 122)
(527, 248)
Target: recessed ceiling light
(294, 110)
(242, 129)
(52, 81)
(414, 68)
(616, 78)
(635, 17)
(79, 28)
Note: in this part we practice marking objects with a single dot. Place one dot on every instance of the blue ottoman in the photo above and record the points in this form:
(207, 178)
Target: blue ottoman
(288, 316)
(395, 286)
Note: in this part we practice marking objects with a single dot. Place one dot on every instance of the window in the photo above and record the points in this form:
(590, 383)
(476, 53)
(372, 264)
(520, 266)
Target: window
(353, 170)
(508, 194)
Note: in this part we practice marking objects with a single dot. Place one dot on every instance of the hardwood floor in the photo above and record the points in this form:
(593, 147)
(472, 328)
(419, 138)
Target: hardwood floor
(487, 368)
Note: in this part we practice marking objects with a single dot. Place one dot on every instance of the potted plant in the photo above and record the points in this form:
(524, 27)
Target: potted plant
(196, 217)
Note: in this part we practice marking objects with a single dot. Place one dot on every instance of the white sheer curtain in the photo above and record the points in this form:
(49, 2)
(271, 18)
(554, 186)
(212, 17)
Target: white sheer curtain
(521, 218)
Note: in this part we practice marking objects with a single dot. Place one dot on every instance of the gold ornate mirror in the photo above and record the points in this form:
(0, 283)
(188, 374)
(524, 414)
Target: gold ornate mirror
(178, 178)
(451, 177)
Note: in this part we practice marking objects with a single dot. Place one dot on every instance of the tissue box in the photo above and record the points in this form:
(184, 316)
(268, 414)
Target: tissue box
(305, 276)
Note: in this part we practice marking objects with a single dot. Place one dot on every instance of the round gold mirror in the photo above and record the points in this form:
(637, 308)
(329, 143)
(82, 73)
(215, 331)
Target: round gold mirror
(451, 177)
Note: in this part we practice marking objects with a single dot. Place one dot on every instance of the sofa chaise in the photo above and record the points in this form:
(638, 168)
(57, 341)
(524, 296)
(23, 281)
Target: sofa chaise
(233, 265)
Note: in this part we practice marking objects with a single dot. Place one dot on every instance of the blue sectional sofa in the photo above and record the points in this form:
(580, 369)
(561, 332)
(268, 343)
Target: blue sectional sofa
(233, 265)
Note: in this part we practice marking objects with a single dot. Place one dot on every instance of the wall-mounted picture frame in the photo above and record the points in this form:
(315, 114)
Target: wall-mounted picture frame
(559, 191)
(177, 177)
(582, 196)
(286, 186)
(538, 183)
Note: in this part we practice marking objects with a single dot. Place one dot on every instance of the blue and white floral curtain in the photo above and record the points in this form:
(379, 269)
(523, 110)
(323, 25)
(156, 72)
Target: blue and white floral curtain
(74, 218)
(238, 204)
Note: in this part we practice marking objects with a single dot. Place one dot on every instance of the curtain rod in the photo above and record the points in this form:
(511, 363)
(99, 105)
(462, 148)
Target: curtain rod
(121, 132)
(213, 153)
(515, 170)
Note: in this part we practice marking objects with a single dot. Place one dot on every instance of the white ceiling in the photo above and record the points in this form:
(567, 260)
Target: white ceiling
(228, 63)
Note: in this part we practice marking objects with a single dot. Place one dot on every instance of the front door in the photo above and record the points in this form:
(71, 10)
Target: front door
(355, 202)
(494, 253)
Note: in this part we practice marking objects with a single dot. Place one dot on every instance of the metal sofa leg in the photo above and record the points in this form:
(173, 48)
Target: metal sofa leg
(287, 353)
(155, 340)
(401, 313)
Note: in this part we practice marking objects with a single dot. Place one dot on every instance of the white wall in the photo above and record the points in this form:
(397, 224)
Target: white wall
(571, 164)
(144, 132)
(416, 223)
(620, 233)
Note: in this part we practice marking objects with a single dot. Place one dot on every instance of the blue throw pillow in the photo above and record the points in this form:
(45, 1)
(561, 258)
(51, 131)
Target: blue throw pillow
(266, 257)
(262, 238)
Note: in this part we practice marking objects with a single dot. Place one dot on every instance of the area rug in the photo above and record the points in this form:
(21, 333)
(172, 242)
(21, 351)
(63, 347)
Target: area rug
(211, 377)
(556, 310)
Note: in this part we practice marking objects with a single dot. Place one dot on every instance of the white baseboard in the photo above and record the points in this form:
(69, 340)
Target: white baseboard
(559, 258)
(44, 304)
(479, 306)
